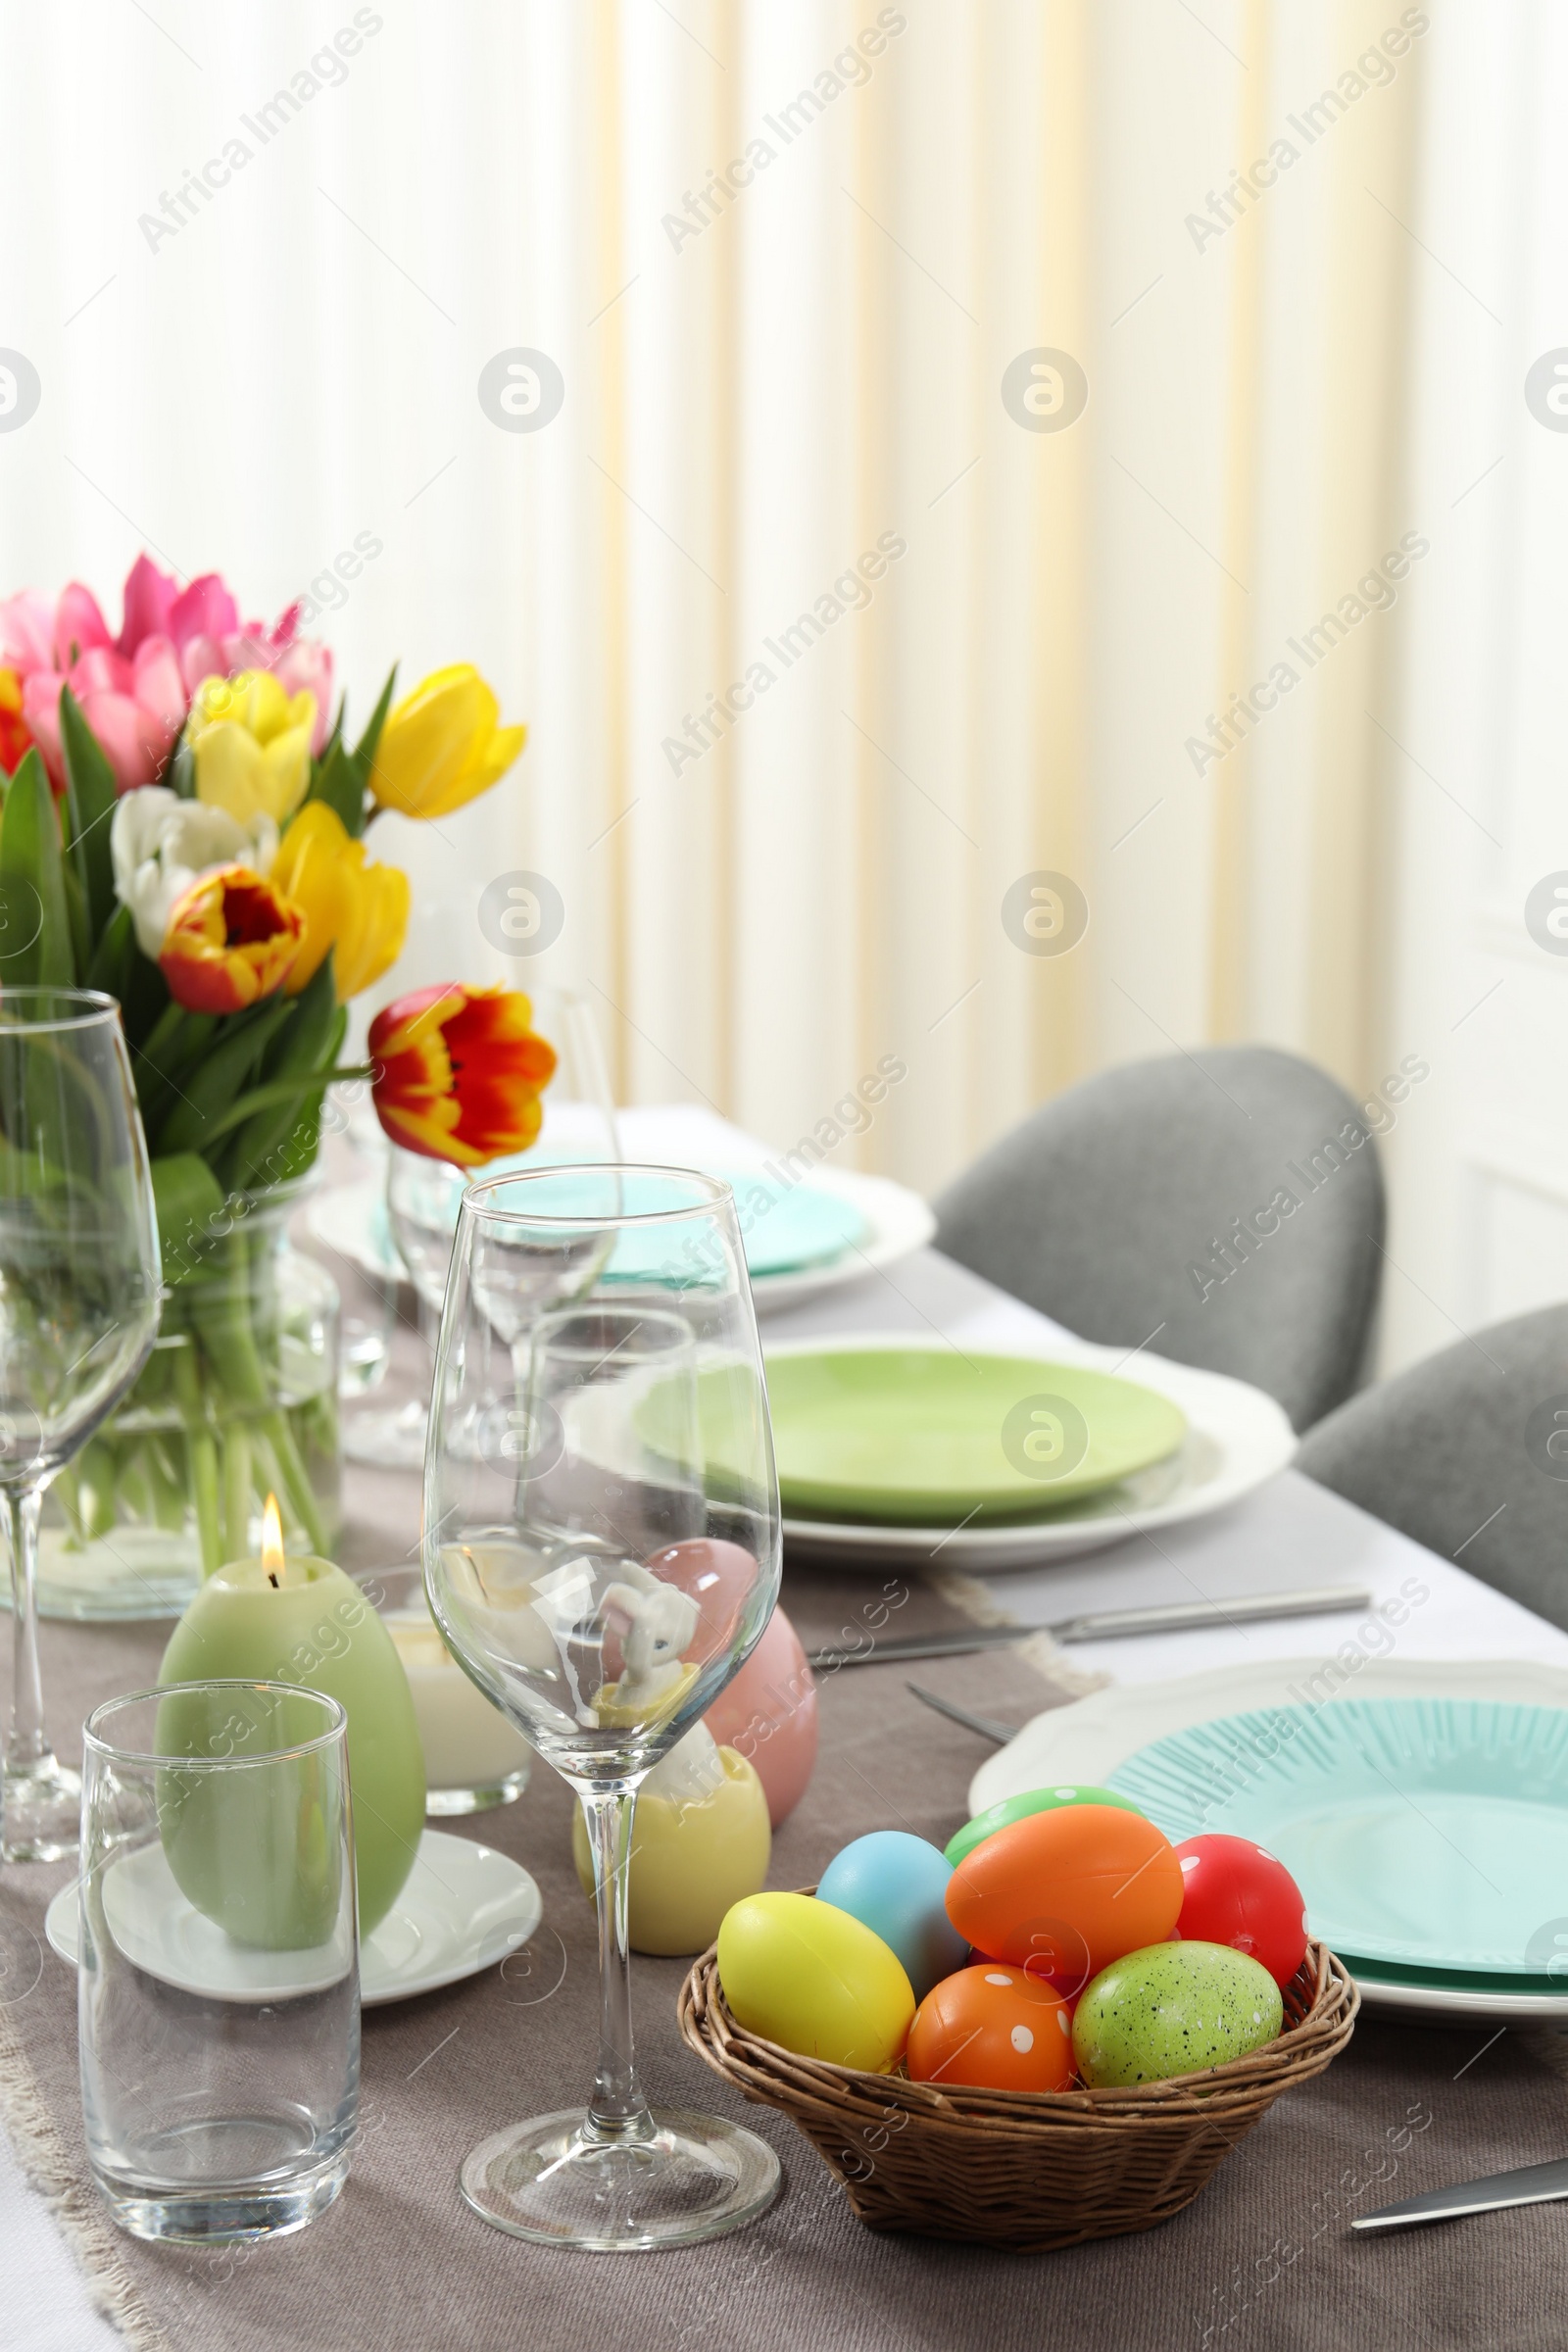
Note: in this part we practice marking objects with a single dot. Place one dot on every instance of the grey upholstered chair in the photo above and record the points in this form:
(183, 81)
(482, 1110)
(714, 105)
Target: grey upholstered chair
(1225, 1205)
(1467, 1452)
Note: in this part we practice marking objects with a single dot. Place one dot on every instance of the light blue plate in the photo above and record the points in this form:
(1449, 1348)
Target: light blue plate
(1428, 1832)
(784, 1229)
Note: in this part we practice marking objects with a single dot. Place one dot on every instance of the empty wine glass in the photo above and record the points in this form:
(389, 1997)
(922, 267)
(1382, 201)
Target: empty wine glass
(602, 1554)
(424, 1196)
(79, 1286)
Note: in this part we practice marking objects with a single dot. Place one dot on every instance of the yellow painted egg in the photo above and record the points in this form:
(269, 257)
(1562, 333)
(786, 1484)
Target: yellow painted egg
(814, 1980)
(693, 1854)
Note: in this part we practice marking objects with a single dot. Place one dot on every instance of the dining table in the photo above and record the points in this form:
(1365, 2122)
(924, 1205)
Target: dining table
(1266, 2256)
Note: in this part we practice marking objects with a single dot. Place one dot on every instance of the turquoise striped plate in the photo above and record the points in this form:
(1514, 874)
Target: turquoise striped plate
(1426, 1833)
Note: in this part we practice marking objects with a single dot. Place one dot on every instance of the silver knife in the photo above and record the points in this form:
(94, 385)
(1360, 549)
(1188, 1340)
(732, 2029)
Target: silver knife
(1108, 1624)
(1532, 2184)
(1002, 1734)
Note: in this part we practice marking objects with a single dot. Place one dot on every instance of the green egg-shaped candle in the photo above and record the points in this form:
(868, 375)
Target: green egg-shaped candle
(302, 1621)
(1173, 2009)
(1017, 1808)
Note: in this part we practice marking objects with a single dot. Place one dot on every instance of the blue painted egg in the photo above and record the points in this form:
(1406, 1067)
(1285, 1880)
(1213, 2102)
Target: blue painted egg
(895, 1884)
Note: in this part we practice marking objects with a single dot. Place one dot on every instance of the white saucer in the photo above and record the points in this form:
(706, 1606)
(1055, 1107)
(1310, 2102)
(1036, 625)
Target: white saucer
(462, 1908)
(1086, 1741)
(1237, 1438)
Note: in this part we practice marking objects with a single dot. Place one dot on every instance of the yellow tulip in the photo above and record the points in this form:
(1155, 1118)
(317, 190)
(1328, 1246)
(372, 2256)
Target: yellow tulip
(358, 909)
(251, 743)
(441, 745)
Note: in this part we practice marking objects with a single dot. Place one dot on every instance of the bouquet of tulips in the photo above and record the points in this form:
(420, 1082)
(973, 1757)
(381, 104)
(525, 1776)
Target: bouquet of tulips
(183, 827)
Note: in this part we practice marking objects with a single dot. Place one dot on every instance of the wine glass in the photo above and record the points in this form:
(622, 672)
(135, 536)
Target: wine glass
(79, 1289)
(424, 1196)
(602, 1547)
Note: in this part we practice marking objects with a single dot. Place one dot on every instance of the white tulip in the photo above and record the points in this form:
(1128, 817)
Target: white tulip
(158, 844)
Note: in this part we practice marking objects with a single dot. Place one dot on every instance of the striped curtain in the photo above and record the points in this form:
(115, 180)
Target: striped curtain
(892, 456)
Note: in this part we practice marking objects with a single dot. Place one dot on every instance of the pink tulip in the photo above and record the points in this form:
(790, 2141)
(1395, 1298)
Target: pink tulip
(27, 631)
(136, 709)
(135, 689)
(204, 609)
(79, 625)
(150, 598)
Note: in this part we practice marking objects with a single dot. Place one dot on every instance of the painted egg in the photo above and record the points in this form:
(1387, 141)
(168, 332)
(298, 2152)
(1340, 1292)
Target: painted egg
(718, 1576)
(689, 1860)
(1236, 1893)
(1173, 2010)
(1066, 1892)
(768, 1713)
(1018, 1808)
(807, 1976)
(895, 1883)
(995, 2029)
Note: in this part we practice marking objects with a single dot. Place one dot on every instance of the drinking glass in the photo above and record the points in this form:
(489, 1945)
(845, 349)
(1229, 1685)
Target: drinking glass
(423, 1197)
(602, 1551)
(79, 1286)
(219, 1984)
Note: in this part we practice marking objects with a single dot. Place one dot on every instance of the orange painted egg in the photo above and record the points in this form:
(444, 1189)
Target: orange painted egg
(1066, 1892)
(995, 2029)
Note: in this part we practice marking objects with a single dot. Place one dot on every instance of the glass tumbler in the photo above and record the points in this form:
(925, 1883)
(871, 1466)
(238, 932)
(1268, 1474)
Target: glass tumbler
(218, 1985)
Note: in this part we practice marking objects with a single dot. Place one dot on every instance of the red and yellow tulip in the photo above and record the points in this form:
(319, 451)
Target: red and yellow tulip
(231, 939)
(443, 745)
(458, 1072)
(357, 909)
(15, 736)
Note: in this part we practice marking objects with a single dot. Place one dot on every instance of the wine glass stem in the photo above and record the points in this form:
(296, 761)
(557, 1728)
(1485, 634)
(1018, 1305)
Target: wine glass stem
(618, 2109)
(26, 1743)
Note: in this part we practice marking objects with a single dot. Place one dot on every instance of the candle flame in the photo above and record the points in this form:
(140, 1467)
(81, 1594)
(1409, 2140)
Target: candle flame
(272, 1539)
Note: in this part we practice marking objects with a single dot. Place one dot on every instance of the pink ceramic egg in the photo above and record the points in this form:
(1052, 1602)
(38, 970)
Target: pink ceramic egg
(768, 1713)
(718, 1576)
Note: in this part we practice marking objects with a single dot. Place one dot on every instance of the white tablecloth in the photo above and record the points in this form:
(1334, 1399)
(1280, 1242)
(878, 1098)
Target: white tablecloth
(1291, 1533)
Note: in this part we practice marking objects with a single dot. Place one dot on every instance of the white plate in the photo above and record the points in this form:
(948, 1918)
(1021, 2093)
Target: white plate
(462, 1908)
(1237, 1438)
(1086, 1741)
(898, 1221)
(351, 1218)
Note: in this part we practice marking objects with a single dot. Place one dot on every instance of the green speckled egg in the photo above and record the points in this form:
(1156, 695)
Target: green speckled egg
(1173, 2009)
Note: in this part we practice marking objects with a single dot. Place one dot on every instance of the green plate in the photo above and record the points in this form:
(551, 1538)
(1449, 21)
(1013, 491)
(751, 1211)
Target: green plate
(923, 1436)
(1427, 1833)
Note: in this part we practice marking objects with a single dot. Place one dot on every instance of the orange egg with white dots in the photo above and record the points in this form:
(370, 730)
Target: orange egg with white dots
(991, 2027)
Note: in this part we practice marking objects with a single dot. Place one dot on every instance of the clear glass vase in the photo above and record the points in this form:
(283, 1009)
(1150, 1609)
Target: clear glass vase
(237, 1400)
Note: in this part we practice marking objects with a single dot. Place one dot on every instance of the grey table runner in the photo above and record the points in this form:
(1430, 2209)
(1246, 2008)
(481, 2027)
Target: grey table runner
(1264, 2259)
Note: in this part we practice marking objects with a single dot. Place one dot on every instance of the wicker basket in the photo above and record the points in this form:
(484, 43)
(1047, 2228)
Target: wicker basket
(1032, 2171)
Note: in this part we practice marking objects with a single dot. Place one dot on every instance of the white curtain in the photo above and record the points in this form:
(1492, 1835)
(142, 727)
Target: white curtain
(783, 260)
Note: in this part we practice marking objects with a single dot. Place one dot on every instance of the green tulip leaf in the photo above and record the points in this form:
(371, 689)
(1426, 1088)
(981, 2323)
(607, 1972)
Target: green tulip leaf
(91, 796)
(35, 948)
(333, 780)
(207, 1092)
(189, 1201)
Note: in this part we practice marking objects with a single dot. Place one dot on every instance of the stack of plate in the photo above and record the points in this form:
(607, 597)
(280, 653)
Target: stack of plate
(889, 1454)
(799, 1239)
(1423, 1810)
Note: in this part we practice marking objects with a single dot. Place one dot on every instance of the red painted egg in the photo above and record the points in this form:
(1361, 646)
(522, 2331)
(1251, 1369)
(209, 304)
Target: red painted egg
(995, 2029)
(1066, 1892)
(1236, 1893)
